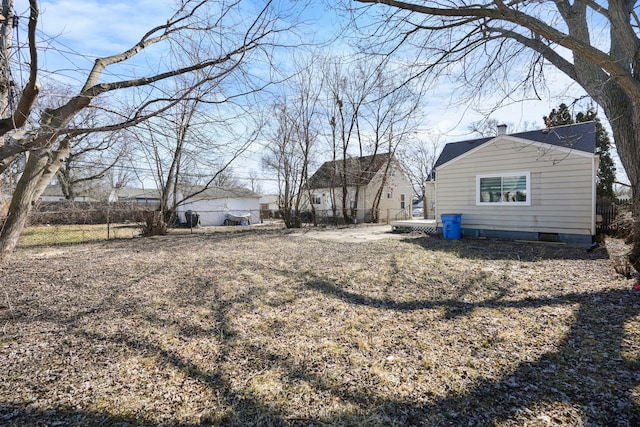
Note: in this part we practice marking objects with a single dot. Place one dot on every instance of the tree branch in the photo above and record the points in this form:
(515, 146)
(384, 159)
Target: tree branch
(31, 90)
(506, 13)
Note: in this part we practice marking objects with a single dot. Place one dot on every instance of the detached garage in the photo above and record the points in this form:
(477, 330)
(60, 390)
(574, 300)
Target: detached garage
(212, 205)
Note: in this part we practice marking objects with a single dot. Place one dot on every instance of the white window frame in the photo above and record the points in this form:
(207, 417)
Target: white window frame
(527, 176)
(316, 199)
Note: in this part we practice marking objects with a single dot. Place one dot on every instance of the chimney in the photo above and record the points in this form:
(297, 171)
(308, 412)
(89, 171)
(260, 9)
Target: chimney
(502, 129)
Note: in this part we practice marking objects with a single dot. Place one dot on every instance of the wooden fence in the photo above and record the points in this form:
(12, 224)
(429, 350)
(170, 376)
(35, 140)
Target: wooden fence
(608, 210)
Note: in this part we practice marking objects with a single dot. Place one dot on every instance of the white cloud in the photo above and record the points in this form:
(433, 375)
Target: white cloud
(101, 27)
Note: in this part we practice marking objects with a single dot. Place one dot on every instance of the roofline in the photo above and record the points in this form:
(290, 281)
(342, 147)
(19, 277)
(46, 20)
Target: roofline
(524, 141)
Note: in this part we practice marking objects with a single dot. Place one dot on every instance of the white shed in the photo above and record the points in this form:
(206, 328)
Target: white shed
(212, 204)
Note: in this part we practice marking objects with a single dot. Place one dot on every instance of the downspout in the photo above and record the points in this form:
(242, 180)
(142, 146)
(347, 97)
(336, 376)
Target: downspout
(435, 195)
(594, 169)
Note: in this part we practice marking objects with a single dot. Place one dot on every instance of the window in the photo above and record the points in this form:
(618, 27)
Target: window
(402, 201)
(315, 199)
(505, 189)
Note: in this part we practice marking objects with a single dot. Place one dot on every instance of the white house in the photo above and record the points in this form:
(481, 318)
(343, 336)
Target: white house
(367, 178)
(212, 204)
(537, 185)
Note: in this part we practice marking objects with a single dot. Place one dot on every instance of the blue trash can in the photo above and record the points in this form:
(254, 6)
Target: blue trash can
(451, 226)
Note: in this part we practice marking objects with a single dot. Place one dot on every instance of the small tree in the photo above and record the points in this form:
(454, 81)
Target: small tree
(285, 158)
(418, 159)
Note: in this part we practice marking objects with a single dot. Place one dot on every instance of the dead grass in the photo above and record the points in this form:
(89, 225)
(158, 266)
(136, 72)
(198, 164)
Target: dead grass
(271, 328)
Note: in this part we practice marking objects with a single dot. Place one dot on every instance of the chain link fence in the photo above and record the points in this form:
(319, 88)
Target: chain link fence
(66, 222)
(74, 222)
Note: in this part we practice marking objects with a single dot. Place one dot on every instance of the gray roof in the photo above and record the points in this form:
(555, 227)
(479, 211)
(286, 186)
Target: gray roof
(212, 193)
(579, 136)
(80, 191)
(137, 193)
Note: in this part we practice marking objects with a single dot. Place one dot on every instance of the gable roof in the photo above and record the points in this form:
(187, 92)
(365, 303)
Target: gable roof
(360, 171)
(578, 136)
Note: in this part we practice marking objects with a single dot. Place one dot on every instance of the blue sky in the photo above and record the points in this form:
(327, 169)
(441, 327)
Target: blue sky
(101, 27)
(85, 29)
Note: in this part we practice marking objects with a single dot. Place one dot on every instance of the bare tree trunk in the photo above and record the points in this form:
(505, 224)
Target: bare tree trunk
(625, 124)
(626, 131)
(36, 176)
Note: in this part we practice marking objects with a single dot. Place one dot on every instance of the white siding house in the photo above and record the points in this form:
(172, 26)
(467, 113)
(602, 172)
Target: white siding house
(365, 177)
(538, 185)
(213, 203)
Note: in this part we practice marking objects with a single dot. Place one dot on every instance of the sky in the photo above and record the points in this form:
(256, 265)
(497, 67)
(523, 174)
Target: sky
(86, 29)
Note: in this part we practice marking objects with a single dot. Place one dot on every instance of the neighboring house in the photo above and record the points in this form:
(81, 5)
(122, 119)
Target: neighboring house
(213, 203)
(53, 193)
(365, 177)
(537, 185)
(139, 197)
(269, 207)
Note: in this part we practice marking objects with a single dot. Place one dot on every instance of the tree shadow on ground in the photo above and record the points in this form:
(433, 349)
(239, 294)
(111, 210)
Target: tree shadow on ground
(600, 383)
(496, 249)
(592, 387)
(236, 409)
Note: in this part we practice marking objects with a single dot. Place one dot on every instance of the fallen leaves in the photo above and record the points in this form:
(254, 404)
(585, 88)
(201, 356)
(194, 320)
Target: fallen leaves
(274, 328)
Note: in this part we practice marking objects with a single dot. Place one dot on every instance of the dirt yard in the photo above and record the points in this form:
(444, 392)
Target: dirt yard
(273, 328)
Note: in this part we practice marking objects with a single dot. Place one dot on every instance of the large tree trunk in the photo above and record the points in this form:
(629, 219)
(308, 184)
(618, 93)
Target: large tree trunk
(626, 131)
(41, 167)
(624, 117)
(27, 192)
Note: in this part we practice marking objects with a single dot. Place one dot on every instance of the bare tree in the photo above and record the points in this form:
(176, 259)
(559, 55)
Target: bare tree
(191, 147)
(347, 89)
(418, 158)
(254, 182)
(89, 162)
(391, 118)
(372, 110)
(92, 155)
(285, 158)
(308, 84)
(483, 40)
(225, 38)
(296, 136)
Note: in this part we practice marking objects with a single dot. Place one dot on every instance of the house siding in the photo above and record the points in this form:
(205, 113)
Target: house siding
(562, 189)
(389, 208)
(430, 200)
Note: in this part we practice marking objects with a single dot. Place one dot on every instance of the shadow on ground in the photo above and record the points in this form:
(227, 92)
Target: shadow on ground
(496, 249)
